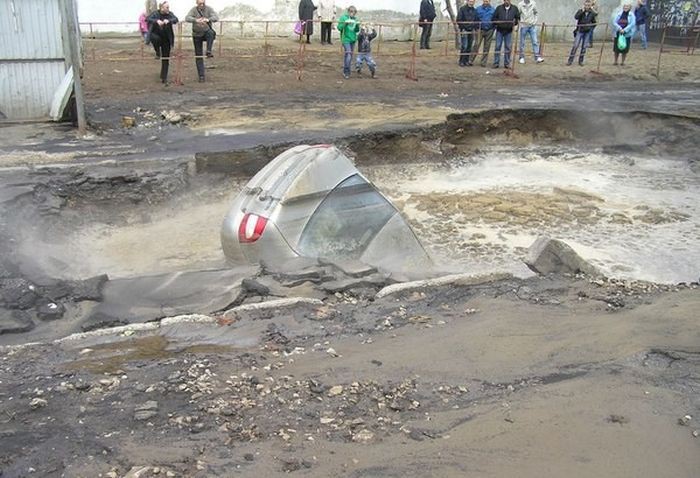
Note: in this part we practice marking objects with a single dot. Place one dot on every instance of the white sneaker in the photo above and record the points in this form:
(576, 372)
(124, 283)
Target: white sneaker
(540, 59)
(521, 61)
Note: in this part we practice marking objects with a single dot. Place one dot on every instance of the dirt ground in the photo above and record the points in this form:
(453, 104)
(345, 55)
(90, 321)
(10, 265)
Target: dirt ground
(559, 375)
(120, 68)
(537, 378)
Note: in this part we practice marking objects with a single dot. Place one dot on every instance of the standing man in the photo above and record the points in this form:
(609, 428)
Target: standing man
(201, 17)
(484, 13)
(468, 23)
(641, 15)
(505, 18)
(326, 13)
(348, 26)
(585, 18)
(427, 15)
(160, 25)
(306, 16)
(528, 26)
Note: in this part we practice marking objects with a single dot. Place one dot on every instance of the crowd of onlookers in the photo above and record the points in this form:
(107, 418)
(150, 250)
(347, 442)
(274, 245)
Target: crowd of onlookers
(478, 28)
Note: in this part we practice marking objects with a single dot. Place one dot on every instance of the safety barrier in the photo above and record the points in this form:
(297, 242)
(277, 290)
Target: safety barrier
(270, 31)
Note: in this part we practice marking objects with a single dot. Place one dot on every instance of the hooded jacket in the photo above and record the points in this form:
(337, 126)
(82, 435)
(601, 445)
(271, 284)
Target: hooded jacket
(348, 27)
(528, 13)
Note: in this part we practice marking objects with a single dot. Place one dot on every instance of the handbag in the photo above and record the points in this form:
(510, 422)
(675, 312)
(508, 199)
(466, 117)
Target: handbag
(299, 28)
(621, 41)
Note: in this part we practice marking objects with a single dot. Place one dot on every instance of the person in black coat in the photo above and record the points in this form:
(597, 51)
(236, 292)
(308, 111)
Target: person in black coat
(468, 23)
(306, 16)
(160, 27)
(427, 15)
(505, 18)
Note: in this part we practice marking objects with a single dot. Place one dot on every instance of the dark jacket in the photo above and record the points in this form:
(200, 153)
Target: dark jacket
(364, 39)
(510, 17)
(584, 20)
(641, 14)
(306, 10)
(164, 31)
(427, 11)
(467, 14)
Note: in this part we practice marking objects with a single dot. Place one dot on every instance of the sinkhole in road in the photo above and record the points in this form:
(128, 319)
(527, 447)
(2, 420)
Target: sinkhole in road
(621, 188)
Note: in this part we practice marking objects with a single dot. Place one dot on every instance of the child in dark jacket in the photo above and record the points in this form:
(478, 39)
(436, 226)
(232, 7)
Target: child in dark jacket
(364, 51)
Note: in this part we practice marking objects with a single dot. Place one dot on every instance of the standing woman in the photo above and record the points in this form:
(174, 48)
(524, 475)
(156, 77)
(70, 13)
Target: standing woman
(326, 13)
(306, 16)
(162, 36)
(623, 24)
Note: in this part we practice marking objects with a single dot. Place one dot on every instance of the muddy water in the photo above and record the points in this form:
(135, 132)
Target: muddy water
(633, 217)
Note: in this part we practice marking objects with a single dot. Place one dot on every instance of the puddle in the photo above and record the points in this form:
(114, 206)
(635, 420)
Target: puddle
(111, 357)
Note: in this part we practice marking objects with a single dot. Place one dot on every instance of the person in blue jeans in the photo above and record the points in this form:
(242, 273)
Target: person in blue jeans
(528, 26)
(364, 51)
(641, 15)
(348, 26)
(585, 19)
(505, 18)
(468, 23)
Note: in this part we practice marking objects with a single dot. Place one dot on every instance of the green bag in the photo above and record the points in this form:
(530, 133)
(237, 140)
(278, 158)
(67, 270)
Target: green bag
(621, 42)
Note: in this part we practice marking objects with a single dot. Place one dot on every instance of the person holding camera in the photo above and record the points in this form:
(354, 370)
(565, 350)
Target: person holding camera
(585, 19)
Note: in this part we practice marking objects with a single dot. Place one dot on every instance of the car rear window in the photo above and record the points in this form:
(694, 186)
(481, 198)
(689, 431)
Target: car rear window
(345, 222)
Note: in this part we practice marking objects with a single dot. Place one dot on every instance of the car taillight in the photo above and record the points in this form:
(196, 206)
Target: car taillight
(251, 228)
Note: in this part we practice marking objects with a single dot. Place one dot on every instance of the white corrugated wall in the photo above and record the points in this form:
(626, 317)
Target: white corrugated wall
(32, 56)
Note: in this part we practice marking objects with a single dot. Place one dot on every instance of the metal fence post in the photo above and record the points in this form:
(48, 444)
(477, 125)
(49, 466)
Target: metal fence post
(514, 50)
(267, 32)
(411, 72)
(300, 58)
(178, 56)
(602, 47)
(221, 40)
(661, 50)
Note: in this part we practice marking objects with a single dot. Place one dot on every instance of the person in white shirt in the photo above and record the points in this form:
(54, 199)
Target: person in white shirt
(528, 26)
(326, 13)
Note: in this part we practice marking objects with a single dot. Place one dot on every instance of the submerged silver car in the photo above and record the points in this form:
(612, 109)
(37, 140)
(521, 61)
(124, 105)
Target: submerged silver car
(311, 201)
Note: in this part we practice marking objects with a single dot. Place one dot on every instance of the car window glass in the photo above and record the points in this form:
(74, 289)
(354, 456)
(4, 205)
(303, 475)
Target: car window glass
(345, 222)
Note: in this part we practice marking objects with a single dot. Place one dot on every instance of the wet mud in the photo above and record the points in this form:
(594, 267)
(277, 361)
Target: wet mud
(590, 376)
